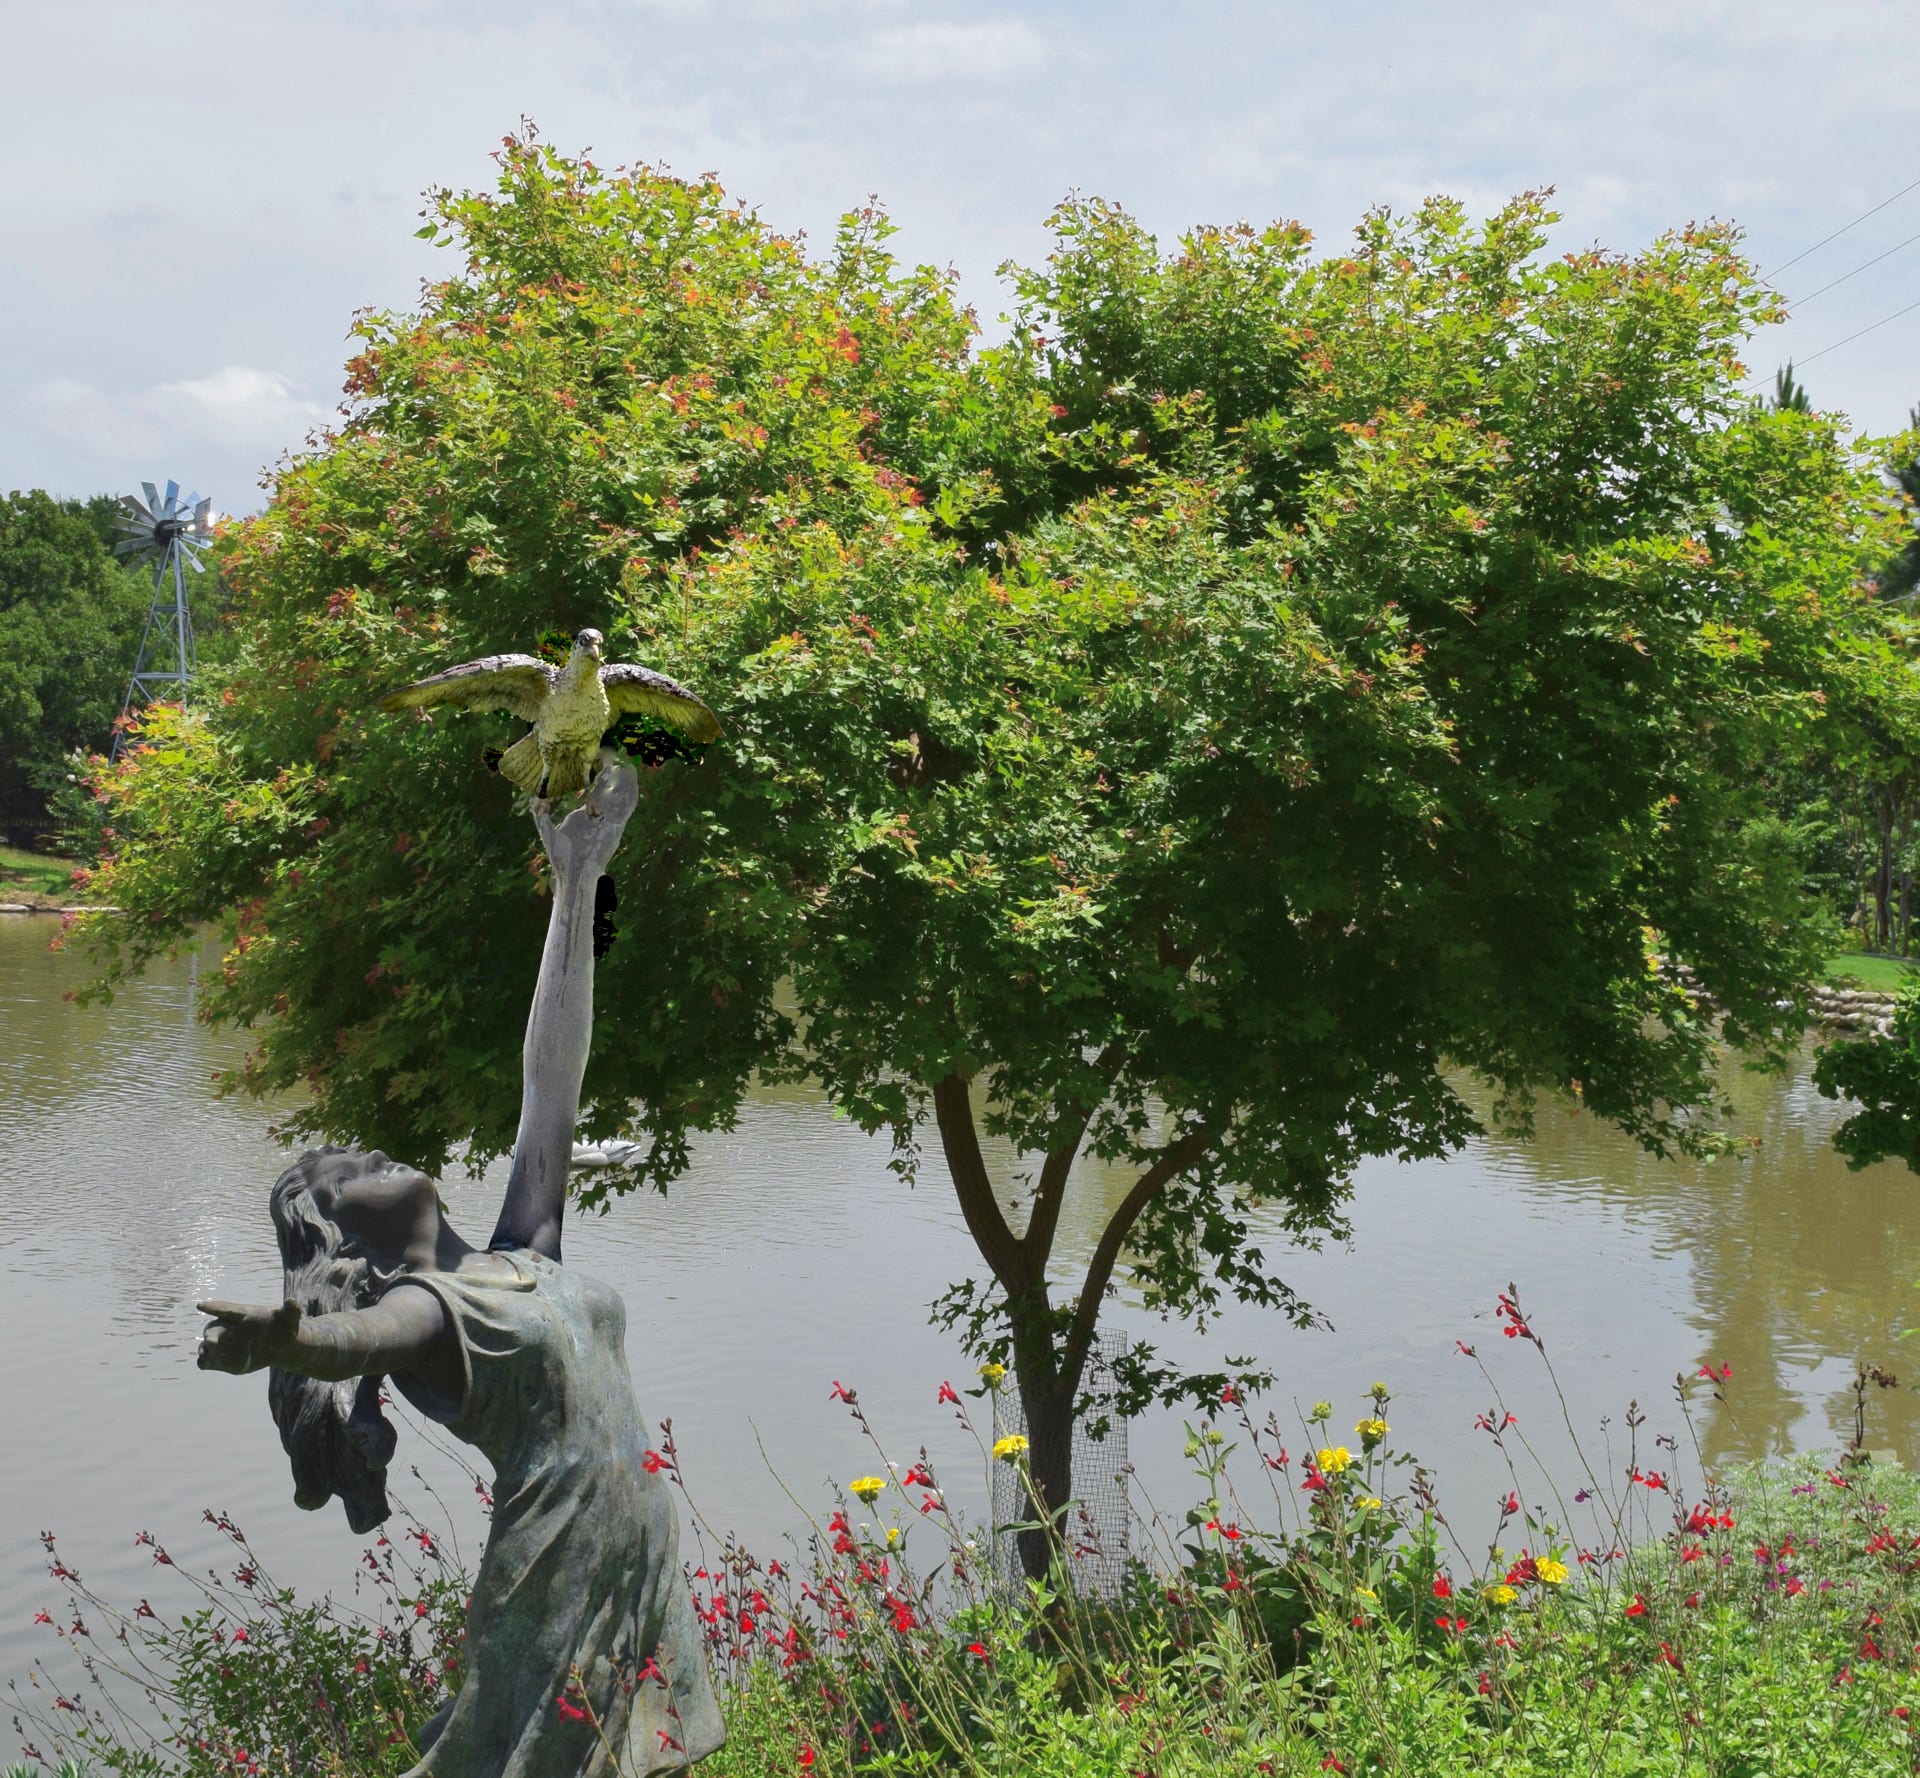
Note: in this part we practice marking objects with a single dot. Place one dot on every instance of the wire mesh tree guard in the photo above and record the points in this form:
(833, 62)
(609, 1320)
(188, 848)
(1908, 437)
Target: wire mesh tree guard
(1097, 1522)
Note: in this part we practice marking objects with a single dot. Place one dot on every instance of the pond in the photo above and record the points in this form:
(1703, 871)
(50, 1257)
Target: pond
(790, 1259)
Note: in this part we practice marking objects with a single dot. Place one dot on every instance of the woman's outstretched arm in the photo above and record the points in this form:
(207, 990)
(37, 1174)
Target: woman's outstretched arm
(560, 1025)
(402, 1331)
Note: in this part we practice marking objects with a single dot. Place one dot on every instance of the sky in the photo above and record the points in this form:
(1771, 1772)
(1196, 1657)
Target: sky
(197, 198)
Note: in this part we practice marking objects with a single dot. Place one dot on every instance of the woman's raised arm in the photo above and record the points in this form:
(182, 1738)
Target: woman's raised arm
(560, 1026)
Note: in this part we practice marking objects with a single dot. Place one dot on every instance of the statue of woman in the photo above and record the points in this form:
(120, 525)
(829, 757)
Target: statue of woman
(521, 1357)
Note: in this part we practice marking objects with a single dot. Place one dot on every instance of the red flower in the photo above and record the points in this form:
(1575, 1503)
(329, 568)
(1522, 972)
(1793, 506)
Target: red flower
(572, 1712)
(653, 1463)
(40, 1617)
(1229, 1395)
(840, 1392)
(978, 1650)
(1638, 1607)
(1463, 1348)
(1691, 1602)
(1672, 1659)
(1330, 1764)
(1315, 1481)
(1715, 1376)
(1442, 1587)
(1511, 1507)
(806, 1759)
(947, 1393)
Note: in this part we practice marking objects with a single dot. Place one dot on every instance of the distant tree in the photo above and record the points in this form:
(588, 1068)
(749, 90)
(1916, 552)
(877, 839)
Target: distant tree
(1185, 733)
(1899, 578)
(70, 620)
(1789, 397)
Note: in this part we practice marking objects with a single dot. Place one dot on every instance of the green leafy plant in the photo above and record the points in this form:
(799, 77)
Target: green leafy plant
(1169, 742)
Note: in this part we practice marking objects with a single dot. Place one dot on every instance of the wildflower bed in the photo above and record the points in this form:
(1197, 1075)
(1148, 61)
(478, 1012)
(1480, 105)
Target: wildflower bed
(1763, 1622)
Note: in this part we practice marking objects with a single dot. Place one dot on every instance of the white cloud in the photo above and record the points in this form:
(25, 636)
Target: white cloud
(236, 409)
(984, 49)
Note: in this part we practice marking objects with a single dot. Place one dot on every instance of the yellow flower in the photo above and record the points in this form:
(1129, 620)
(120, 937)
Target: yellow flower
(1322, 1410)
(1368, 1593)
(1371, 1502)
(1550, 1571)
(1372, 1430)
(992, 1373)
(1008, 1448)
(1333, 1458)
(893, 1537)
(1500, 1595)
(866, 1487)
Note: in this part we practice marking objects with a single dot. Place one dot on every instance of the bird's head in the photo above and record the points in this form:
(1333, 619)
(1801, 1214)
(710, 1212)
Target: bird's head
(590, 643)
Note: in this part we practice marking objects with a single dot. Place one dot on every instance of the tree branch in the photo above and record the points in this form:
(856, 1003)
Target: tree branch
(953, 1109)
(1044, 1218)
(1174, 1159)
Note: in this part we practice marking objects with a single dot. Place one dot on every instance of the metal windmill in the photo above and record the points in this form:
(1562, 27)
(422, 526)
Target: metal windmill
(169, 532)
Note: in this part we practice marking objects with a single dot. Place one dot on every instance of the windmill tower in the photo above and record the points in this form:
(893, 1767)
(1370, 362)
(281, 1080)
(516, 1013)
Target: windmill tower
(169, 532)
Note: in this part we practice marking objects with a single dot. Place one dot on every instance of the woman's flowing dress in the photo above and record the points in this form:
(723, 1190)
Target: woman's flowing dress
(582, 1565)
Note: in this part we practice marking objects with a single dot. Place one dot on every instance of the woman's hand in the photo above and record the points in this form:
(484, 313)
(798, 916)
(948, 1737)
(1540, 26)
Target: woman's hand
(248, 1336)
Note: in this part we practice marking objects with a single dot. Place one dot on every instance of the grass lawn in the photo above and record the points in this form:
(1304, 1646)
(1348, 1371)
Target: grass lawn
(34, 873)
(1882, 974)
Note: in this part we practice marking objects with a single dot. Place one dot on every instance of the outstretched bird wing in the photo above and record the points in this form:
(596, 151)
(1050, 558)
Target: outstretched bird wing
(513, 682)
(630, 688)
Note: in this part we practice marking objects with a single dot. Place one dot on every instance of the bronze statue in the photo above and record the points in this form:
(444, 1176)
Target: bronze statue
(521, 1357)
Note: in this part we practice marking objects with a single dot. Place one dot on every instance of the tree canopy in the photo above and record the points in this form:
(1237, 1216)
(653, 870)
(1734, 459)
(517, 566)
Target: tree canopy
(70, 620)
(1186, 731)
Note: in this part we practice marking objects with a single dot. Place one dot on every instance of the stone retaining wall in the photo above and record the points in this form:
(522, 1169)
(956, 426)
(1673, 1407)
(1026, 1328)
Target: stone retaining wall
(1844, 1012)
(1853, 1012)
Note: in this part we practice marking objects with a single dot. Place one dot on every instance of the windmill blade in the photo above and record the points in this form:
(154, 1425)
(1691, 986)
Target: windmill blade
(173, 498)
(131, 545)
(153, 499)
(136, 512)
(203, 515)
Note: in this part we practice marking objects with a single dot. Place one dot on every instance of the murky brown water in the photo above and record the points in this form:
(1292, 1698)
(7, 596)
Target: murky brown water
(790, 1258)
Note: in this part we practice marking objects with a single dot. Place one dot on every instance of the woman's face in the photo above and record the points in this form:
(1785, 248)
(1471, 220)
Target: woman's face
(378, 1204)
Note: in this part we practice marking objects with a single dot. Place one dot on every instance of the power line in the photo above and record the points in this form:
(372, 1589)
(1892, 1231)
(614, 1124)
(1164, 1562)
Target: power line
(1802, 363)
(1837, 233)
(1800, 303)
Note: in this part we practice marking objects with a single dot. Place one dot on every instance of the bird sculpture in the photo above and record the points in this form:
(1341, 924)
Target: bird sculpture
(570, 707)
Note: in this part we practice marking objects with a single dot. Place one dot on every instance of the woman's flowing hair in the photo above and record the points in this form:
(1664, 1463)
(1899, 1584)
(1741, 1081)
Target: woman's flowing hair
(335, 1434)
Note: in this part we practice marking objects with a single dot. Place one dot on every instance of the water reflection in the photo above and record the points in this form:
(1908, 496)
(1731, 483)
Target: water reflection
(790, 1257)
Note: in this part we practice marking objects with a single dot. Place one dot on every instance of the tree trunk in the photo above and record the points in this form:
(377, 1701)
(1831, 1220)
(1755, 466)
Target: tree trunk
(1883, 875)
(1050, 1463)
